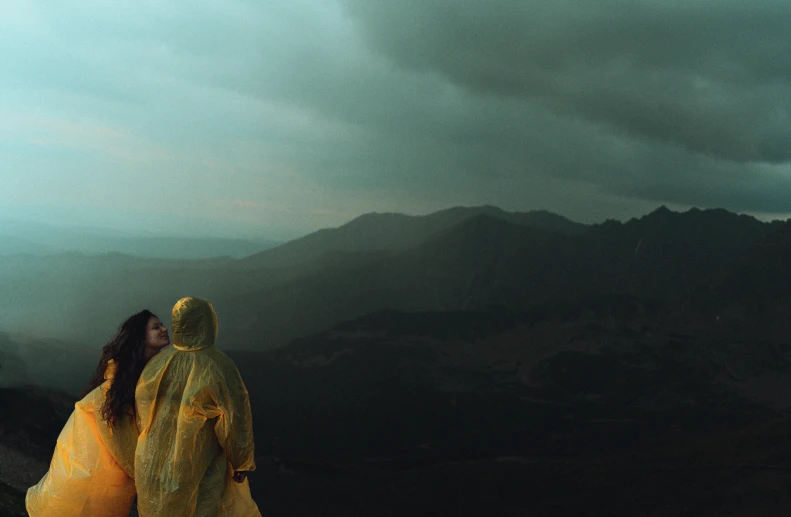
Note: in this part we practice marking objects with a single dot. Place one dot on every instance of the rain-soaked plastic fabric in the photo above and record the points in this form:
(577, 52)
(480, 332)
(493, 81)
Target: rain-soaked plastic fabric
(90, 474)
(195, 425)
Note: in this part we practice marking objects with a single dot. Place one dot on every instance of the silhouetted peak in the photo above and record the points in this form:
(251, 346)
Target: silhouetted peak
(458, 213)
(712, 212)
(467, 211)
(696, 216)
(377, 217)
(722, 217)
(477, 208)
(662, 212)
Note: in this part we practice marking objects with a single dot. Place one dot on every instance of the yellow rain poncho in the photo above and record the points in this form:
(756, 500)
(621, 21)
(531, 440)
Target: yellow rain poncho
(91, 470)
(195, 425)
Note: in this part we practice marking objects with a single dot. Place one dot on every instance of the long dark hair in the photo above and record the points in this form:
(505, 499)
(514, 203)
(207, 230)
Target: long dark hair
(127, 348)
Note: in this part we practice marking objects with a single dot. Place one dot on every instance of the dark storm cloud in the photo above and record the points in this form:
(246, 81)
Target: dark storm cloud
(673, 102)
(710, 76)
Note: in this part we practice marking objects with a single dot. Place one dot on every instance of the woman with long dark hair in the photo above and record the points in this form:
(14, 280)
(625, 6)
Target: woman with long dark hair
(91, 473)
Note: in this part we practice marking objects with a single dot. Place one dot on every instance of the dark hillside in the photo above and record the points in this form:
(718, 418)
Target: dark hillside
(625, 403)
(396, 232)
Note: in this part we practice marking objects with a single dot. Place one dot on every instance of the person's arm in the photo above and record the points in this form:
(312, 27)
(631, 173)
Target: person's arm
(234, 425)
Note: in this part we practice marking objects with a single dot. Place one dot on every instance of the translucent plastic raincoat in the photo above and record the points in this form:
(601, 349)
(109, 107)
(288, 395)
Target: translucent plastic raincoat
(91, 470)
(195, 425)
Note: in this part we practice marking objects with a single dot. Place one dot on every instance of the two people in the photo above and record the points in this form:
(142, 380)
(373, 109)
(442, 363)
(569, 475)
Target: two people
(171, 424)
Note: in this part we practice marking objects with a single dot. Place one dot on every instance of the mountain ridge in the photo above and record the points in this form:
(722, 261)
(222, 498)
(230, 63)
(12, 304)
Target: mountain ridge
(488, 261)
(468, 265)
(394, 231)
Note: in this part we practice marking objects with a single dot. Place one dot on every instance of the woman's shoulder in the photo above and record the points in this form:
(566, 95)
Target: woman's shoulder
(94, 398)
(110, 371)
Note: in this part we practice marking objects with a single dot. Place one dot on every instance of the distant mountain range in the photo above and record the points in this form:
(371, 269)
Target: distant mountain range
(486, 262)
(477, 258)
(29, 238)
(397, 232)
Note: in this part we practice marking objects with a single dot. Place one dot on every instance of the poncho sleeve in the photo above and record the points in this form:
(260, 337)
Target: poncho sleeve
(234, 424)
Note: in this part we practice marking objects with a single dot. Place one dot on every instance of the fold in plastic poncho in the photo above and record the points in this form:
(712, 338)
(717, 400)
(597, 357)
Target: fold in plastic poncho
(195, 425)
(91, 470)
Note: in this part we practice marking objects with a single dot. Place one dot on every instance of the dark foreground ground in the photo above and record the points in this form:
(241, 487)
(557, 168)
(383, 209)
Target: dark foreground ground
(510, 488)
(744, 473)
(635, 412)
(747, 473)
(740, 473)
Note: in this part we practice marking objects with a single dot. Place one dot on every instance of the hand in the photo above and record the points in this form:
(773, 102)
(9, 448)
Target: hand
(239, 476)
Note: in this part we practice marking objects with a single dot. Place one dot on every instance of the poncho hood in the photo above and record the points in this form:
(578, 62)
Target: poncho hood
(194, 323)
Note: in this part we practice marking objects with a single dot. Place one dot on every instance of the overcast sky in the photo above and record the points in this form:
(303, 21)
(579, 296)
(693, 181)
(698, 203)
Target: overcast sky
(277, 117)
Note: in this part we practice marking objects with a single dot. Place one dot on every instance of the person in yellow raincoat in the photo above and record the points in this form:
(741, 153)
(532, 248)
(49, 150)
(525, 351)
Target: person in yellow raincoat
(196, 433)
(92, 469)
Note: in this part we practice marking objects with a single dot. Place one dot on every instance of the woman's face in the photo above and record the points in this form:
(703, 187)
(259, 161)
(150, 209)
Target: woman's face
(156, 334)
